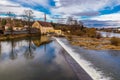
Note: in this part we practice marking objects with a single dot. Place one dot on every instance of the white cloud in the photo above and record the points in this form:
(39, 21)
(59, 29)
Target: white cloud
(112, 17)
(64, 8)
(8, 6)
(96, 23)
(81, 7)
(44, 3)
(7, 3)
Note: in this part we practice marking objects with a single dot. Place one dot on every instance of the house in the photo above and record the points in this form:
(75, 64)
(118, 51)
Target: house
(7, 26)
(59, 32)
(44, 27)
(118, 28)
(17, 28)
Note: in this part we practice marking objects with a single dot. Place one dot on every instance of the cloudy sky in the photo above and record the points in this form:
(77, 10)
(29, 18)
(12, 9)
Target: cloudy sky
(94, 13)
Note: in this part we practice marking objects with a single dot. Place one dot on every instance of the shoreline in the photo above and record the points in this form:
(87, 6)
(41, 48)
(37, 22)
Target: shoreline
(92, 43)
(15, 36)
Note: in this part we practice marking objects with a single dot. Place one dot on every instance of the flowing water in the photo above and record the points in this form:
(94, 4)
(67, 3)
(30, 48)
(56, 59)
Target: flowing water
(99, 64)
(32, 59)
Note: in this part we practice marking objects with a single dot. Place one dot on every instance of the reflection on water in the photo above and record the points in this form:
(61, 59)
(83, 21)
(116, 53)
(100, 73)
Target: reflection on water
(40, 40)
(30, 59)
(110, 34)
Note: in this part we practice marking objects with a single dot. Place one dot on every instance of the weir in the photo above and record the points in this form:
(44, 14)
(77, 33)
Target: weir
(85, 65)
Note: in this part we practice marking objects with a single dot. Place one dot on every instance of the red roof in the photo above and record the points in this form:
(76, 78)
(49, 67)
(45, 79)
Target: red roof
(45, 24)
(7, 25)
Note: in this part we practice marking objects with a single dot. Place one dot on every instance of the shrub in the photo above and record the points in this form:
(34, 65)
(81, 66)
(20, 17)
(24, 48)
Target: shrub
(91, 32)
(115, 41)
(70, 37)
(98, 36)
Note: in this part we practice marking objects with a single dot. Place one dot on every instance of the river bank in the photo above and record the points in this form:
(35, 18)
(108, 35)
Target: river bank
(16, 36)
(93, 43)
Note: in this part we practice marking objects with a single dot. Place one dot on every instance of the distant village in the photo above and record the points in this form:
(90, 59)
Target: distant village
(18, 26)
(12, 26)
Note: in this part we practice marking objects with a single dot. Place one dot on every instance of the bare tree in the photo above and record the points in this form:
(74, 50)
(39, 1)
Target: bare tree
(10, 22)
(28, 17)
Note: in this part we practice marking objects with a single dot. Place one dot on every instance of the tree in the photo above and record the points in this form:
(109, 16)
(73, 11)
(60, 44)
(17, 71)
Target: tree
(11, 15)
(28, 16)
(3, 23)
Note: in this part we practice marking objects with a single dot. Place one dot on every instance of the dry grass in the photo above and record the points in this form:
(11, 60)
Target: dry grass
(94, 43)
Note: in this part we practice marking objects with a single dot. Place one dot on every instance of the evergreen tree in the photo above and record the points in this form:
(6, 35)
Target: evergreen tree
(3, 23)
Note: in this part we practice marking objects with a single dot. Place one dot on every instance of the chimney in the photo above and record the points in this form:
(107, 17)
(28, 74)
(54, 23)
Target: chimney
(44, 17)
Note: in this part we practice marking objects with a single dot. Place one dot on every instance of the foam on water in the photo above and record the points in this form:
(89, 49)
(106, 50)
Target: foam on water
(95, 75)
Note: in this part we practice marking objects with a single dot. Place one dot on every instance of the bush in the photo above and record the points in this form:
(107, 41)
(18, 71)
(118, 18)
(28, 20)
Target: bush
(98, 36)
(115, 41)
(70, 37)
(91, 32)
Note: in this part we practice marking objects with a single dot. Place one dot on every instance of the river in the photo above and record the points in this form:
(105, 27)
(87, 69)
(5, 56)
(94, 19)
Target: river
(29, 59)
(109, 34)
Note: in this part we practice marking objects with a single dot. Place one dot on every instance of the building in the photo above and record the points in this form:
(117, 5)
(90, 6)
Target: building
(45, 27)
(118, 28)
(59, 32)
(7, 26)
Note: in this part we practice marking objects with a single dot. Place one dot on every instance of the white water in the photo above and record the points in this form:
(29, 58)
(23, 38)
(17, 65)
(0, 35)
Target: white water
(95, 75)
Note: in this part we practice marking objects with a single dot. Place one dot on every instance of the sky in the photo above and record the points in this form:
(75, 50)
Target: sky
(93, 13)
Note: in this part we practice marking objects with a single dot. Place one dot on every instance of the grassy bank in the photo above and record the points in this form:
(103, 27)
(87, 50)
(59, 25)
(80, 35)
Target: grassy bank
(9, 37)
(93, 43)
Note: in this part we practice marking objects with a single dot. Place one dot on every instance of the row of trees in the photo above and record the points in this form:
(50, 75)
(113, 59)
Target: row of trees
(75, 27)
(27, 16)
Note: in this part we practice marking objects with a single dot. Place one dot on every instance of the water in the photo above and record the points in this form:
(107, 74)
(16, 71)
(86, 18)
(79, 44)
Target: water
(30, 59)
(99, 64)
(109, 34)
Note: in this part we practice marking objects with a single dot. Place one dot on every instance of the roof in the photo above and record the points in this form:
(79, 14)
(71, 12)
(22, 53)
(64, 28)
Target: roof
(8, 24)
(45, 24)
